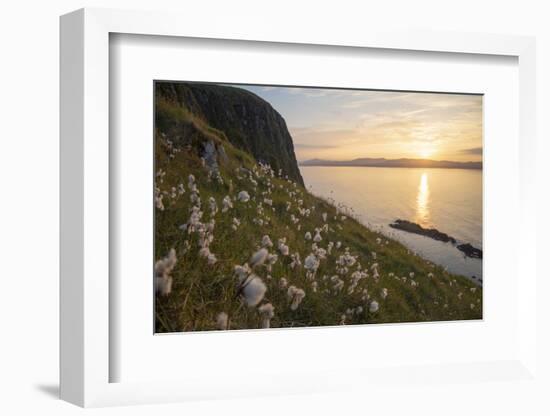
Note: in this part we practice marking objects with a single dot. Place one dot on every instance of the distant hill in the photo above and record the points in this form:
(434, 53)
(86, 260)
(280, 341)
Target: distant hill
(395, 163)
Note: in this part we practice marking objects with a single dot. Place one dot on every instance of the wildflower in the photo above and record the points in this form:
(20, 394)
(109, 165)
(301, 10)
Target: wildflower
(311, 263)
(339, 285)
(308, 236)
(221, 321)
(253, 290)
(213, 206)
(314, 286)
(338, 244)
(317, 237)
(268, 312)
(324, 215)
(373, 307)
(243, 196)
(258, 221)
(283, 248)
(272, 259)
(384, 293)
(359, 310)
(235, 224)
(163, 268)
(296, 296)
(227, 203)
(295, 260)
(283, 283)
(205, 252)
(181, 189)
(212, 259)
(268, 202)
(266, 241)
(259, 257)
(242, 272)
(158, 202)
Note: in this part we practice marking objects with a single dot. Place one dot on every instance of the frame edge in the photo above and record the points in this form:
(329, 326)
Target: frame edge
(71, 216)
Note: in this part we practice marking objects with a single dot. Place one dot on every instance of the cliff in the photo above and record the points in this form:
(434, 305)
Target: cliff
(248, 122)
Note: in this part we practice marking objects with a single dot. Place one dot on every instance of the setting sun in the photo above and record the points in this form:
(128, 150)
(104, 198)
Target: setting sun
(426, 152)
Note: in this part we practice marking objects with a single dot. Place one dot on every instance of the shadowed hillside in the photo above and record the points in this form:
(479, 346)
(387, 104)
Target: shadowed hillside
(249, 122)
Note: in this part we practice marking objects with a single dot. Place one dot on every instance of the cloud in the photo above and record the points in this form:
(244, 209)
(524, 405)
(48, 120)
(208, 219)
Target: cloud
(314, 146)
(472, 151)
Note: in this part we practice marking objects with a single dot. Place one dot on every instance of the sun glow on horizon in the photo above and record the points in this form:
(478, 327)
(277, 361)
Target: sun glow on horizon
(348, 124)
(426, 152)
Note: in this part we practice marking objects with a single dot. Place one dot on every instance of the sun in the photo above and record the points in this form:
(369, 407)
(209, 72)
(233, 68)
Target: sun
(426, 152)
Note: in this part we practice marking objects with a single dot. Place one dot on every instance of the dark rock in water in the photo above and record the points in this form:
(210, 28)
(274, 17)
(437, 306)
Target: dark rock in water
(414, 228)
(470, 251)
(249, 122)
(411, 227)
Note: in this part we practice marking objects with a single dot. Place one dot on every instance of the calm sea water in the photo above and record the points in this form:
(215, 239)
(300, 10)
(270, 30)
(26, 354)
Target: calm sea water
(449, 200)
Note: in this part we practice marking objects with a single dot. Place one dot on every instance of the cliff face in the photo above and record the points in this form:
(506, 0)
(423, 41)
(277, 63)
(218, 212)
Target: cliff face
(249, 122)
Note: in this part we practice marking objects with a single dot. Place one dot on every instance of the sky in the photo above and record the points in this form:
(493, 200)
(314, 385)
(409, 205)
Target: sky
(348, 124)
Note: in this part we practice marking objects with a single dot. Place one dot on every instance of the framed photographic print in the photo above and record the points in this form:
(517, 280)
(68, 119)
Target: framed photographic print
(329, 211)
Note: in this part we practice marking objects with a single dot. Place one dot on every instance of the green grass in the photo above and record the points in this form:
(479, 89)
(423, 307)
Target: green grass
(200, 291)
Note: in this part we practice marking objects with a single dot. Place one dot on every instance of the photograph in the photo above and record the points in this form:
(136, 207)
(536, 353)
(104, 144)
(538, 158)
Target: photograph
(281, 206)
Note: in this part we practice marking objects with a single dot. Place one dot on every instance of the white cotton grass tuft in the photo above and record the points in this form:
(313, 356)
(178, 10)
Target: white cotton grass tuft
(317, 237)
(253, 290)
(259, 257)
(373, 307)
(311, 263)
(210, 257)
(163, 268)
(243, 196)
(283, 248)
(242, 272)
(227, 203)
(267, 311)
(222, 321)
(296, 296)
(266, 241)
(235, 224)
(213, 206)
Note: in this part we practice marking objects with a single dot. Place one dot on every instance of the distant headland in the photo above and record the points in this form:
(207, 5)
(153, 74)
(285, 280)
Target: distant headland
(394, 163)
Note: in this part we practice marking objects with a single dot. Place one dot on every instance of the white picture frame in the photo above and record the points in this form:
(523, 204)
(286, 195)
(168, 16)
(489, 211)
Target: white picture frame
(85, 217)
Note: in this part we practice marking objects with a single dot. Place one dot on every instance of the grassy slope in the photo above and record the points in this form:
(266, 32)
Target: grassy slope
(200, 291)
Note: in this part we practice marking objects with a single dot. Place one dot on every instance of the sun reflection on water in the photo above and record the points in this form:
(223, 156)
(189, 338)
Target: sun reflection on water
(423, 201)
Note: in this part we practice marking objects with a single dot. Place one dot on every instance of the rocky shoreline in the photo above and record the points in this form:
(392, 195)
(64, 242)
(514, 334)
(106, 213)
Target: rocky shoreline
(411, 227)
